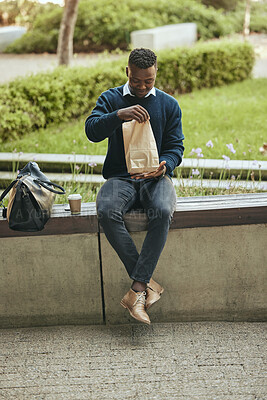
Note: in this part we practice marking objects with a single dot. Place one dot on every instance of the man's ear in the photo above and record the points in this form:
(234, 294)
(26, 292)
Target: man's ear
(127, 71)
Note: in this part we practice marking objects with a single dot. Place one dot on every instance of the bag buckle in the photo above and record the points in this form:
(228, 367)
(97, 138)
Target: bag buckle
(4, 212)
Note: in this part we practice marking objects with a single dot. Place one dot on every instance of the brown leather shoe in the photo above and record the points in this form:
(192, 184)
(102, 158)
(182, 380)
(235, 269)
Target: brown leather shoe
(135, 303)
(153, 293)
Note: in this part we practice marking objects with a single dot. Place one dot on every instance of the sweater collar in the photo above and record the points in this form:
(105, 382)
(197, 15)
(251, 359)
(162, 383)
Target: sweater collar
(126, 90)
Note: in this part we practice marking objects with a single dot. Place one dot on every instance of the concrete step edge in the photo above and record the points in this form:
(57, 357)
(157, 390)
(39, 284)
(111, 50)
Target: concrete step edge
(98, 179)
(90, 160)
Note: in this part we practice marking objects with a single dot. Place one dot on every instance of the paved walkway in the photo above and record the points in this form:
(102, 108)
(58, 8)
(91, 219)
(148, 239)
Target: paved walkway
(176, 361)
(14, 65)
(259, 42)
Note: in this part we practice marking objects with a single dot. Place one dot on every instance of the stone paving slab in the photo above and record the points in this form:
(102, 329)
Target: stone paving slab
(182, 361)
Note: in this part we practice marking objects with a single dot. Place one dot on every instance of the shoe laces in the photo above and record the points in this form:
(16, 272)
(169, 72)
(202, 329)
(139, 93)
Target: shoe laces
(141, 298)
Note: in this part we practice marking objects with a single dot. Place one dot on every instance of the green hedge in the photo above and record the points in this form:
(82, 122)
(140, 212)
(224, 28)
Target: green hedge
(258, 22)
(107, 24)
(258, 19)
(221, 4)
(28, 104)
(206, 65)
(236, 13)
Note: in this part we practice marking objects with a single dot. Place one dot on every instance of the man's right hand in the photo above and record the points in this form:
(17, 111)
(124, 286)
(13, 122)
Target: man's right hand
(137, 112)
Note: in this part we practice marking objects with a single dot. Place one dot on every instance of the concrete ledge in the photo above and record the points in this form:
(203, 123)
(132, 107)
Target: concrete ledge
(191, 212)
(64, 163)
(213, 266)
(50, 280)
(212, 273)
(167, 36)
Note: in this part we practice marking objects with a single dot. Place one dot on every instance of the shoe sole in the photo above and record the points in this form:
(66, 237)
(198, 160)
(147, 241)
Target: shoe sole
(140, 320)
(153, 302)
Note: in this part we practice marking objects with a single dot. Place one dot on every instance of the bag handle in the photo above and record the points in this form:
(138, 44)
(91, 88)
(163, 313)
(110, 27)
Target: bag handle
(5, 192)
(47, 185)
(3, 195)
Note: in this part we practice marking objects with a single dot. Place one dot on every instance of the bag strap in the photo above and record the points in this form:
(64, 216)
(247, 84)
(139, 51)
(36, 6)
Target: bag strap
(5, 192)
(47, 185)
(3, 195)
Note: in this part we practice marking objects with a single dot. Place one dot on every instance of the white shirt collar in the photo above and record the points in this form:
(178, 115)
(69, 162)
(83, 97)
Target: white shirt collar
(126, 90)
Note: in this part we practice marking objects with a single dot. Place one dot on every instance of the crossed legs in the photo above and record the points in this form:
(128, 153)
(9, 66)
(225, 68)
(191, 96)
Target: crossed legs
(157, 197)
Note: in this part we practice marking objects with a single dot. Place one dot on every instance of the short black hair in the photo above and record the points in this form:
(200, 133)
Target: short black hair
(142, 58)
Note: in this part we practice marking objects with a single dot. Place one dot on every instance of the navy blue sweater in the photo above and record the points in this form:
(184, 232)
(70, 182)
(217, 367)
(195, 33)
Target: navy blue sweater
(165, 118)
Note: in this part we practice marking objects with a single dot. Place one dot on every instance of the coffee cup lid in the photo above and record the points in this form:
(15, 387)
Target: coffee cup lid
(75, 196)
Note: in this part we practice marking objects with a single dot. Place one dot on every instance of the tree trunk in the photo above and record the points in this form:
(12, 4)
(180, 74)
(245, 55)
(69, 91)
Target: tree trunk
(65, 39)
(246, 20)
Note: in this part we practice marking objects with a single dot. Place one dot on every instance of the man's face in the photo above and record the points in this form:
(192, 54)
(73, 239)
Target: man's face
(141, 81)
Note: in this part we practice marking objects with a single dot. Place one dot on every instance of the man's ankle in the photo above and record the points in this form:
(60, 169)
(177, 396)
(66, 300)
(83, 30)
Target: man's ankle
(138, 286)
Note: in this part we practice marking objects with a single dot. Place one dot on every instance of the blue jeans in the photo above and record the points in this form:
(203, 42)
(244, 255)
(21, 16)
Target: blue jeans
(158, 198)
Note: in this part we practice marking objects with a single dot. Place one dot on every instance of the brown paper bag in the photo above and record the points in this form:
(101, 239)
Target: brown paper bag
(140, 147)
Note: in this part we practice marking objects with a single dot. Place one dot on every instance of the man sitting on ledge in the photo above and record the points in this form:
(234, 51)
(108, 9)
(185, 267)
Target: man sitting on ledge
(137, 100)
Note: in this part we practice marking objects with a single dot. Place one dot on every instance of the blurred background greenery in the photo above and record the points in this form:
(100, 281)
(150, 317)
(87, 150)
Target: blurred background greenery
(106, 24)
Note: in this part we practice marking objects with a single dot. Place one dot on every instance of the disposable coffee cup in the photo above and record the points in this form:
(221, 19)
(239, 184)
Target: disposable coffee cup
(75, 201)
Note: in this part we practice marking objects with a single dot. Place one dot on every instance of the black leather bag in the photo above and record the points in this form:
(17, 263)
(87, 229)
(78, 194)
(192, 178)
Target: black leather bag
(31, 199)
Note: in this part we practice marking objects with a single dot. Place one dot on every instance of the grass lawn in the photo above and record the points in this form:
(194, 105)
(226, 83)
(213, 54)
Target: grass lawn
(235, 114)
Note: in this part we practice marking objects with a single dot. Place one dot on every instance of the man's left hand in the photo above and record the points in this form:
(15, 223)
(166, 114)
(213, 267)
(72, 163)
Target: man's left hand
(161, 170)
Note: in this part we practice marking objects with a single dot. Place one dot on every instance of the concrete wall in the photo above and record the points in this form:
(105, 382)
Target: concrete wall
(211, 273)
(50, 280)
(8, 34)
(216, 273)
(167, 36)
